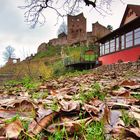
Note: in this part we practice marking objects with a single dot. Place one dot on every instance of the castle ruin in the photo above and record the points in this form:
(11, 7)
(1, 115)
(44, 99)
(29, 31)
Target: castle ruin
(77, 32)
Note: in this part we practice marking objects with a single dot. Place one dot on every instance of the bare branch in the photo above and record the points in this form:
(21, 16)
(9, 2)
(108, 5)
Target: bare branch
(34, 8)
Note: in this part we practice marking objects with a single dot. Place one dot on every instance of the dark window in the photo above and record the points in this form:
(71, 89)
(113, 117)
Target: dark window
(106, 47)
(101, 49)
(122, 42)
(112, 45)
(129, 39)
(117, 43)
(137, 36)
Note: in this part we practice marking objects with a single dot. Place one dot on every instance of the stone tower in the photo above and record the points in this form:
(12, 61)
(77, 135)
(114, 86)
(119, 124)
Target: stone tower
(76, 29)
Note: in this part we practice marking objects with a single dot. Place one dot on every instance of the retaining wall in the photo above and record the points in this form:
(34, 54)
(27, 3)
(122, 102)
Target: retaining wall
(124, 66)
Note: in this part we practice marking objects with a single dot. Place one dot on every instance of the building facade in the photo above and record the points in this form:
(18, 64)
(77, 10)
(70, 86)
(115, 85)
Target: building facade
(123, 44)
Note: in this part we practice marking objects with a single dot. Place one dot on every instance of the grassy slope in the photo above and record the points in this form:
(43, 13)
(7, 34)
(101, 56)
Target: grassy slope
(47, 63)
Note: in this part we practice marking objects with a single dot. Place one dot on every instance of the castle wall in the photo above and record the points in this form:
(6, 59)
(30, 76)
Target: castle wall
(99, 30)
(76, 29)
(58, 41)
(77, 33)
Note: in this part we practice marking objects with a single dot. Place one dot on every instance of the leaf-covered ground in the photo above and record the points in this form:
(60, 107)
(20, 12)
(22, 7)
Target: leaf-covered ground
(95, 106)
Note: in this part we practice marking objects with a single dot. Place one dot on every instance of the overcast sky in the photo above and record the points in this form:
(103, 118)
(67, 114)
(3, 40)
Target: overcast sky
(16, 33)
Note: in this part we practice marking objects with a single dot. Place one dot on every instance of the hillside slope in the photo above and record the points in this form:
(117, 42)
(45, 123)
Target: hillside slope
(98, 105)
(47, 63)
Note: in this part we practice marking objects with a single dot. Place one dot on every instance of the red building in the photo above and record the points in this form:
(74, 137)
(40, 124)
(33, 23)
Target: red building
(123, 44)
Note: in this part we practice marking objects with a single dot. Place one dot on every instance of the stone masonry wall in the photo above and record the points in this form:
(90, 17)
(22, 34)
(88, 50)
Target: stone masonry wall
(124, 66)
(76, 28)
(99, 30)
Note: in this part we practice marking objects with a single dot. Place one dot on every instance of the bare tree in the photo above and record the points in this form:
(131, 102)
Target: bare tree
(35, 8)
(62, 28)
(8, 53)
(110, 27)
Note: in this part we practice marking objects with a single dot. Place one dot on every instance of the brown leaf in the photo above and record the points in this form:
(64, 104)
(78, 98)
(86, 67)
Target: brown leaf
(135, 109)
(24, 106)
(13, 129)
(42, 87)
(115, 105)
(69, 106)
(41, 124)
(131, 100)
(130, 85)
(43, 112)
(106, 115)
(70, 126)
(95, 102)
(117, 132)
(2, 132)
(53, 92)
(135, 115)
(7, 113)
(91, 109)
(133, 132)
(121, 92)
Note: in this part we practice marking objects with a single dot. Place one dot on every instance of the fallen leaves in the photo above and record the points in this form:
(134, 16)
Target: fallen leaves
(13, 129)
(40, 124)
(72, 104)
(68, 106)
(91, 109)
(70, 126)
(133, 132)
(121, 92)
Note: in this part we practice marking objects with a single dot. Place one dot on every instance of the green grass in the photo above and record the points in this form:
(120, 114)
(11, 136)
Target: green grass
(40, 95)
(14, 118)
(60, 134)
(60, 70)
(54, 106)
(76, 54)
(137, 96)
(128, 121)
(94, 93)
(116, 87)
(27, 82)
(95, 131)
(50, 52)
(73, 73)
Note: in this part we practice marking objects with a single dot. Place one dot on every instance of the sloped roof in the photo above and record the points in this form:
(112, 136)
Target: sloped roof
(123, 29)
(135, 8)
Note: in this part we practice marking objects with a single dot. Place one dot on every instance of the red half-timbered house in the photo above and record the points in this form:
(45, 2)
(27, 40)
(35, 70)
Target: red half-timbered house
(123, 44)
